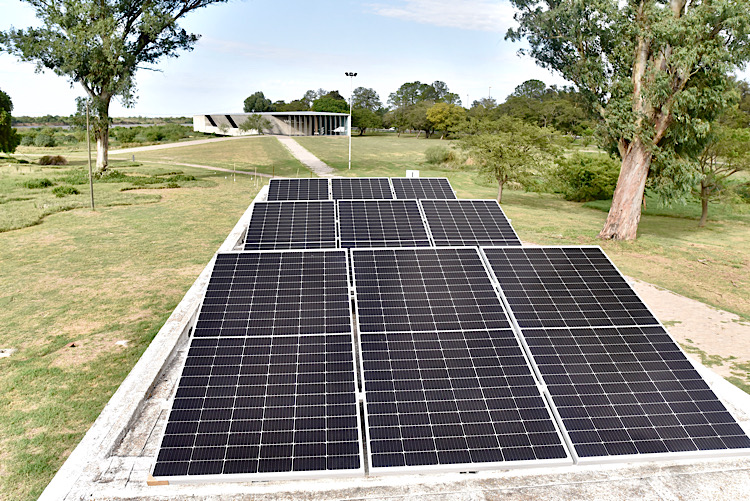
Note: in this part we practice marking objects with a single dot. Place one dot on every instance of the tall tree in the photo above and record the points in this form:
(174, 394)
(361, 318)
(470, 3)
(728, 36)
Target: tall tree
(654, 70)
(257, 102)
(364, 118)
(330, 104)
(366, 98)
(100, 44)
(446, 117)
(9, 138)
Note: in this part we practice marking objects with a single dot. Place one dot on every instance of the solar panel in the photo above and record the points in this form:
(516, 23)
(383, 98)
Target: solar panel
(381, 223)
(422, 188)
(422, 290)
(566, 287)
(298, 189)
(280, 403)
(292, 225)
(621, 391)
(446, 382)
(361, 188)
(468, 222)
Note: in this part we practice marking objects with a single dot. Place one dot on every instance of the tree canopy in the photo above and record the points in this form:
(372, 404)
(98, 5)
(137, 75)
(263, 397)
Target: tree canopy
(9, 138)
(99, 44)
(508, 150)
(257, 102)
(654, 70)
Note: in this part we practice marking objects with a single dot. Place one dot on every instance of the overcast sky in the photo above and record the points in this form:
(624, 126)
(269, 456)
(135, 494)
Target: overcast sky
(286, 47)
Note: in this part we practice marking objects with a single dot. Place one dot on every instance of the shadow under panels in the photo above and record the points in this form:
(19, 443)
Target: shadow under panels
(268, 390)
(621, 385)
(292, 225)
(447, 386)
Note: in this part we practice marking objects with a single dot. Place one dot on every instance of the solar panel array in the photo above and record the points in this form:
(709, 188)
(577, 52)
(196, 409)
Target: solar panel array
(471, 357)
(468, 222)
(446, 382)
(381, 223)
(619, 382)
(373, 188)
(292, 225)
(269, 385)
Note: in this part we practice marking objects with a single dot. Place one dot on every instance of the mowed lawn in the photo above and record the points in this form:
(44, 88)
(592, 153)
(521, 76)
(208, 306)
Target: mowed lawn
(92, 279)
(264, 154)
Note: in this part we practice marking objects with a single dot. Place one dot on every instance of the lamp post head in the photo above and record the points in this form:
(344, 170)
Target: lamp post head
(350, 74)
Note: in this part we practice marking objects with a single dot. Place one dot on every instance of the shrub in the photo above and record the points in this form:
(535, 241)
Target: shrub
(180, 177)
(44, 141)
(584, 177)
(437, 154)
(63, 191)
(53, 160)
(27, 140)
(35, 184)
(125, 134)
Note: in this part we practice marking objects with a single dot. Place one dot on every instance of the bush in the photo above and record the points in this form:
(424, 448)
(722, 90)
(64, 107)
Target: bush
(584, 177)
(63, 191)
(53, 160)
(27, 140)
(124, 134)
(44, 141)
(35, 184)
(180, 177)
(437, 154)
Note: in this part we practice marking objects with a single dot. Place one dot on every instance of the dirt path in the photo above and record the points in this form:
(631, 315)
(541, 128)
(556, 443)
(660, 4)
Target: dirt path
(126, 151)
(209, 167)
(716, 338)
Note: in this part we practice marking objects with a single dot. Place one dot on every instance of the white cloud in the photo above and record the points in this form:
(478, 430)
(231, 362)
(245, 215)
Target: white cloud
(475, 15)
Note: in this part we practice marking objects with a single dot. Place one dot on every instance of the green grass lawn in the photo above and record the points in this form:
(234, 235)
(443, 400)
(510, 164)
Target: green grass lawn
(254, 154)
(94, 278)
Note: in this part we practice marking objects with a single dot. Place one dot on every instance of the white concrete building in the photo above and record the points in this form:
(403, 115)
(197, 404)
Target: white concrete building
(285, 123)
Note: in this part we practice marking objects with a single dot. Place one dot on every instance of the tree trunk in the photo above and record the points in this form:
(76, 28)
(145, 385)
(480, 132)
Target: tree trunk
(442, 136)
(499, 191)
(361, 131)
(418, 134)
(625, 213)
(102, 147)
(704, 206)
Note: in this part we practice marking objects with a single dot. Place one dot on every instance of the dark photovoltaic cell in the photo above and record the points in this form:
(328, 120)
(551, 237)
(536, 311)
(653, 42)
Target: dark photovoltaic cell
(264, 405)
(381, 223)
(452, 399)
(361, 188)
(269, 383)
(276, 293)
(566, 287)
(468, 222)
(292, 225)
(619, 382)
(422, 290)
(418, 188)
(298, 189)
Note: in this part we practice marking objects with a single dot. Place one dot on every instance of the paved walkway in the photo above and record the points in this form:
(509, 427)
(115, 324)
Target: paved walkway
(126, 151)
(314, 163)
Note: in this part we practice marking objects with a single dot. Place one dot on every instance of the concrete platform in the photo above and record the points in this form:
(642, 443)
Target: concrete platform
(113, 460)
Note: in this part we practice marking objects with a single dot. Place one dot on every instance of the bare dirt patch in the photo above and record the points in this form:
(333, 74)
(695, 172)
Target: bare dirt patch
(719, 338)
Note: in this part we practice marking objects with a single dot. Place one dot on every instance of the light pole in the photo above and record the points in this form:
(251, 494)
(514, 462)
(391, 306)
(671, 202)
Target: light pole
(351, 76)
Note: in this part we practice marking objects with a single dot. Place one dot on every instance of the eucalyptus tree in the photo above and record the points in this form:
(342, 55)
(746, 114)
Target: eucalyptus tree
(656, 71)
(100, 44)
